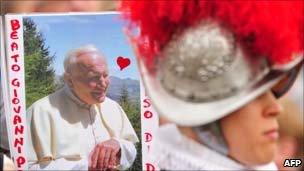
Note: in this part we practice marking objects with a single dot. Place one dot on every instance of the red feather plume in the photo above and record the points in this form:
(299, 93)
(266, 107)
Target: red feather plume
(274, 29)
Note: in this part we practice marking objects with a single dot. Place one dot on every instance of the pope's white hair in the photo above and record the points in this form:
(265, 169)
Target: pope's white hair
(72, 55)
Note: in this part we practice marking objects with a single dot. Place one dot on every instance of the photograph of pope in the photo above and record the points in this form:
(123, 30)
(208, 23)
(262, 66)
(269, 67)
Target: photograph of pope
(77, 127)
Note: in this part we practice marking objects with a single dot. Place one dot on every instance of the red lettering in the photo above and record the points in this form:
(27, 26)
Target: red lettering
(15, 57)
(148, 137)
(19, 130)
(17, 141)
(15, 100)
(149, 167)
(14, 46)
(20, 161)
(17, 110)
(14, 35)
(148, 114)
(15, 93)
(15, 67)
(147, 103)
(15, 25)
(15, 82)
(17, 119)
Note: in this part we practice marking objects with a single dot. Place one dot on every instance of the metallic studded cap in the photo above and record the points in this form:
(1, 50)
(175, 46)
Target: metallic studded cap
(203, 75)
(203, 65)
(202, 60)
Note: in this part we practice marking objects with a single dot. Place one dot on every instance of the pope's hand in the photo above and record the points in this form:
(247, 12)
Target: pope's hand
(105, 155)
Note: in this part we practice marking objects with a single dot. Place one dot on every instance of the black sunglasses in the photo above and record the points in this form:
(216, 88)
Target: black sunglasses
(286, 82)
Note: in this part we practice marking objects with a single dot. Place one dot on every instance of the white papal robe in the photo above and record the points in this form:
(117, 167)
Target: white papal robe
(62, 131)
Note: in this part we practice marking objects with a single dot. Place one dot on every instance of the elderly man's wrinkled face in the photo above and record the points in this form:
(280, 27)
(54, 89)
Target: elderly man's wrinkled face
(88, 78)
(251, 132)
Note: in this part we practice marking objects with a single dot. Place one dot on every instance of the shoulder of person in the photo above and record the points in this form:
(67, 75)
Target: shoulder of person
(111, 110)
(41, 103)
(109, 102)
(46, 102)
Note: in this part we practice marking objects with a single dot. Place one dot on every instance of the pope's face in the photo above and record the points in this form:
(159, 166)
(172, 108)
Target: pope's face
(89, 78)
(251, 132)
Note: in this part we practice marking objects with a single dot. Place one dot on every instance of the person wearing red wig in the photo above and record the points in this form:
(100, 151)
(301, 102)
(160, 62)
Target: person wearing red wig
(214, 70)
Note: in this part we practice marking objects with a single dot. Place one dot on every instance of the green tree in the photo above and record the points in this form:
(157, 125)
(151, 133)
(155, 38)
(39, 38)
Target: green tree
(39, 75)
(133, 112)
(124, 98)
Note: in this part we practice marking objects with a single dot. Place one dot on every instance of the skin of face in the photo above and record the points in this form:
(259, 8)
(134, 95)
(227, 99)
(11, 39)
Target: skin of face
(88, 78)
(251, 132)
(59, 5)
(68, 5)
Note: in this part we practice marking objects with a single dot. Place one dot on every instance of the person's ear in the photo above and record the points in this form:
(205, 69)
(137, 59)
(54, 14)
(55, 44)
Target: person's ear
(68, 79)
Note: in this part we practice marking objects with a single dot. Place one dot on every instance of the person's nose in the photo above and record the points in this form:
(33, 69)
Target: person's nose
(272, 106)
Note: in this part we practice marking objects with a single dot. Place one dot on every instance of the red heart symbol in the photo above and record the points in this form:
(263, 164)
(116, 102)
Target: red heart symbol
(123, 62)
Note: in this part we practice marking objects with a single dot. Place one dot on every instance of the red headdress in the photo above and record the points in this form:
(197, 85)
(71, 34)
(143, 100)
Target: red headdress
(249, 30)
(274, 29)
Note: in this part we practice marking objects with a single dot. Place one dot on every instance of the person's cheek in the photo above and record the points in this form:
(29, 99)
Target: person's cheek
(107, 83)
(92, 85)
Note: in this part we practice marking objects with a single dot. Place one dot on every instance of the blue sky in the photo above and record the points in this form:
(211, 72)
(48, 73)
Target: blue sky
(62, 33)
